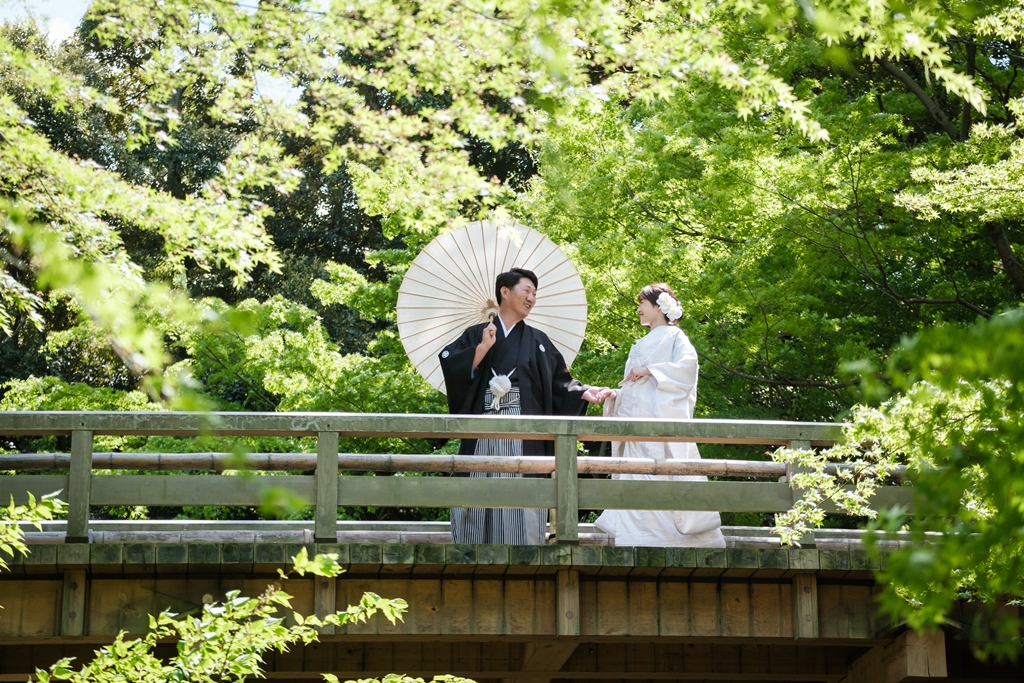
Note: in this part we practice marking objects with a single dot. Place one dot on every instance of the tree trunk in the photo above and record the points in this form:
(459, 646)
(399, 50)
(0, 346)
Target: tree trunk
(930, 104)
(1011, 264)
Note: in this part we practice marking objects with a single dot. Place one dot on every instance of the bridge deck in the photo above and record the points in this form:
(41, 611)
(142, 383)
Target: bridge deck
(555, 612)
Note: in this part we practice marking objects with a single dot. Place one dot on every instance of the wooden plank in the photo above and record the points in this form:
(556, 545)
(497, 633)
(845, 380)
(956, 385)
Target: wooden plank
(674, 608)
(520, 606)
(726, 659)
(805, 606)
(567, 511)
(545, 601)
(33, 609)
(786, 616)
(736, 618)
(754, 659)
(441, 491)
(567, 602)
(458, 606)
(426, 602)
(116, 606)
(723, 496)
(861, 607)
(325, 600)
(832, 622)
(194, 489)
(612, 608)
(547, 655)
(391, 463)
(467, 656)
(488, 606)
(911, 656)
(611, 657)
(326, 516)
(20, 485)
(588, 607)
(72, 620)
(643, 608)
(767, 613)
(418, 425)
(698, 661)
(407, 656)
(350, 592)
(79, 489)
(640, 656)
(705, 609)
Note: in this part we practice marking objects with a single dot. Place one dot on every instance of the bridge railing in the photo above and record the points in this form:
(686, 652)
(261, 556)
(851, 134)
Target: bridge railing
(565, 492)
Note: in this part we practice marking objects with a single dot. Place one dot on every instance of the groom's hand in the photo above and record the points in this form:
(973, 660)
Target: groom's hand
(489, 336)
(486, 342)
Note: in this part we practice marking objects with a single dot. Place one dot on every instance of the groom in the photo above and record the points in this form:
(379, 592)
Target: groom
(538, 383)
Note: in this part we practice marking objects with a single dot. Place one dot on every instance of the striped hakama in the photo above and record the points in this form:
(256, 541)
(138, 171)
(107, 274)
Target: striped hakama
(506, 526)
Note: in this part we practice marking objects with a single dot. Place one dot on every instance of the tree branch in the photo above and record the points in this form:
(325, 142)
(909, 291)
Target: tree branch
(965, 116)
(689, 231)
(1011, 264)
(930, 104)
(831, 386)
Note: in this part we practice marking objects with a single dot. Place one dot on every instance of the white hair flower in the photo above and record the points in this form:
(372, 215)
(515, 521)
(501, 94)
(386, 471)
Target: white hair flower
(668, 304)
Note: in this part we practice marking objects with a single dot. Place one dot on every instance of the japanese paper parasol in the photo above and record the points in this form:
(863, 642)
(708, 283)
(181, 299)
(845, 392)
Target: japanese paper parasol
(450, 286)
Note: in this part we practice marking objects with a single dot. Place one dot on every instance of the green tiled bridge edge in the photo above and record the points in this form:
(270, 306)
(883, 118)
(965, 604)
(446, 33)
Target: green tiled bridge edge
(490, 559)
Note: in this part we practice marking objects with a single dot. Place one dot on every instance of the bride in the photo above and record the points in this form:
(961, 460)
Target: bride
(660, 381)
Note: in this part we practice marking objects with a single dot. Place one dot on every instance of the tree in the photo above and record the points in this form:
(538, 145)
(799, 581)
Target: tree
(186, 72)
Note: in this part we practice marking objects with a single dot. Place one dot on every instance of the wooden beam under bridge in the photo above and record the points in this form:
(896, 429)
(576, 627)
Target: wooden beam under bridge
(522, 613)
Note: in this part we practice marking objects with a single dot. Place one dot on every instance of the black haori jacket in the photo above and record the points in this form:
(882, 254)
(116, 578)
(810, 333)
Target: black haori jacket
(545, 386)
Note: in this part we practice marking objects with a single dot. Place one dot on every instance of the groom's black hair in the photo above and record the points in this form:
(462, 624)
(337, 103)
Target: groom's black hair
(511, 278)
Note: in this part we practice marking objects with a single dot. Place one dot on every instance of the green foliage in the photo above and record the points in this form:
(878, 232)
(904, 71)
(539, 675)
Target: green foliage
(12, 539)
(227, 641)
(120, 152)
(957, 422)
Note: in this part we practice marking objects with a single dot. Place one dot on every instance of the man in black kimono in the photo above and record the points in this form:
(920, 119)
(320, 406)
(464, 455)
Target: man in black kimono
(506, 367)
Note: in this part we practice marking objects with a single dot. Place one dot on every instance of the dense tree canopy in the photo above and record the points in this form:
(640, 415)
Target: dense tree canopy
(215, 202)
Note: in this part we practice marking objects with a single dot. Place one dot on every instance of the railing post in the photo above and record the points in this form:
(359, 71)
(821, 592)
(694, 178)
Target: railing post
(79, 486)
(807, 540)
(567, 485)
(325, 529)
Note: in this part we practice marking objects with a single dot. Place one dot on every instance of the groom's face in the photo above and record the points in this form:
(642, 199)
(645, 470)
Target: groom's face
(519, 300)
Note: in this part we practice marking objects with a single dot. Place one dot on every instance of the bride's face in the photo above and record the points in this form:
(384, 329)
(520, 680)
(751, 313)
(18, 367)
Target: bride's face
(650, 315)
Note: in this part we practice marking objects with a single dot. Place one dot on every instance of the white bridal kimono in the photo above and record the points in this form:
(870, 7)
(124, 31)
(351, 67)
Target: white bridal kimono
(670, 392)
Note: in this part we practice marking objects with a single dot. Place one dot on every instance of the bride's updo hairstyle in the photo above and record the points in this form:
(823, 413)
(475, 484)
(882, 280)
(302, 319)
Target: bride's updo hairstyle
(655, 290)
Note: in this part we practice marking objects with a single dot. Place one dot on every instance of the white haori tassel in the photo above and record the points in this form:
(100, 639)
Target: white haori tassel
(500, 385)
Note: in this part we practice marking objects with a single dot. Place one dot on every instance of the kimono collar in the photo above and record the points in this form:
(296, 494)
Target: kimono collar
(504, 329)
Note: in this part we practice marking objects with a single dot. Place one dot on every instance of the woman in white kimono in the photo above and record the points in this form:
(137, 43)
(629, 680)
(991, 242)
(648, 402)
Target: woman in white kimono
(660, 381)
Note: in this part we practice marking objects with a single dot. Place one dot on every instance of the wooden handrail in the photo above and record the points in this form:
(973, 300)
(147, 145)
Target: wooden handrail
(566, 493)
(14, 423)
(388, 463)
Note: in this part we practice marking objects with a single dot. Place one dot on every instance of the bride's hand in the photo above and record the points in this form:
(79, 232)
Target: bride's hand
(635, 374)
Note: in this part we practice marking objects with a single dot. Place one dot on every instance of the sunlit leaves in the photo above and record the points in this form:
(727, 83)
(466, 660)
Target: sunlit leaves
(957, 423)
(12, 516)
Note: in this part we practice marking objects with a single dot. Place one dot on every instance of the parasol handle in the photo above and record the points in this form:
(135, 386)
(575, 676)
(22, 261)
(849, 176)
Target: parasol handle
(490, 310)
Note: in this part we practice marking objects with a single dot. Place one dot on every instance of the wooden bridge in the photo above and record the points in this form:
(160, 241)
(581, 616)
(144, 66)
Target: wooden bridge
(577, 609)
